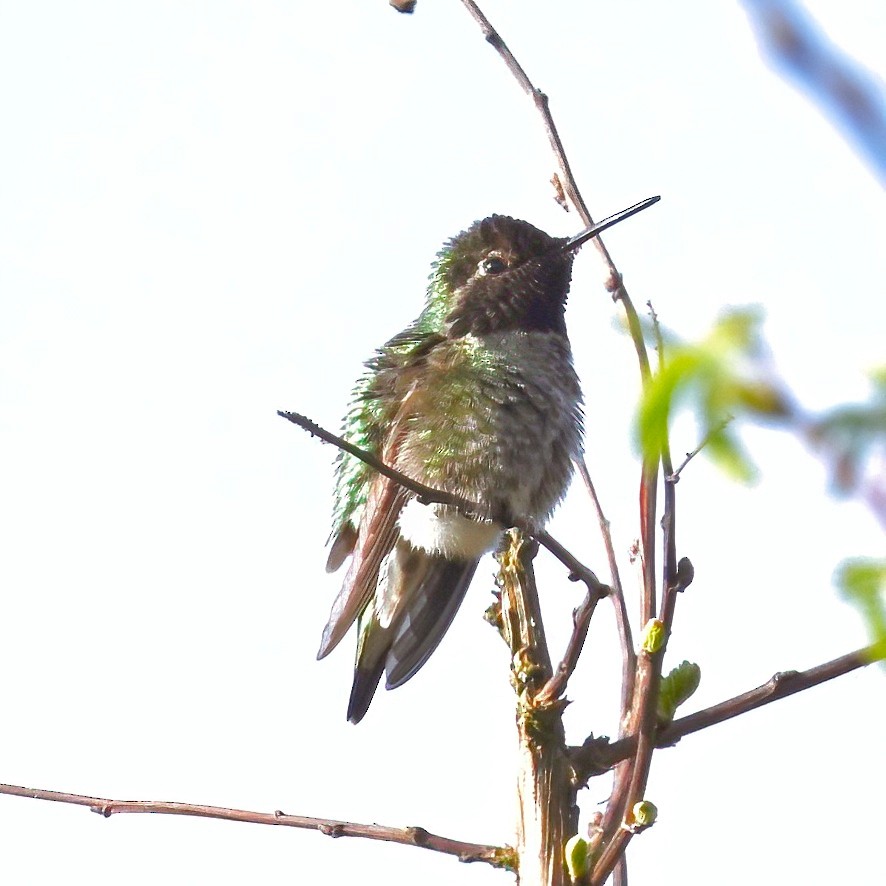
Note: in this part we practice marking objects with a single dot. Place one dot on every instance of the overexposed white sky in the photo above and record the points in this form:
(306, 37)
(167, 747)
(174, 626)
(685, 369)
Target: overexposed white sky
(211, 211)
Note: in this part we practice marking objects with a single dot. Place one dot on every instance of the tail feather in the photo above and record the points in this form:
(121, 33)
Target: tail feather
(428, 618)
(416, 599)
(366, 680)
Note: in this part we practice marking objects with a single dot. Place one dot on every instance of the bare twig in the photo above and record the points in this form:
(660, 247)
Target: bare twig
(628, 657)
(594, 756)
(581, 618)
(566, 179)
(633, 772)
(669, 582)
(581, 621)
(577, 570)
(426, 494)
(614, 284)
(675, 476)
(497, 856)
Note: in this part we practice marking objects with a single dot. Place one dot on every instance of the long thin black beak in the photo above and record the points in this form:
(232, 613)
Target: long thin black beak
(584, 236)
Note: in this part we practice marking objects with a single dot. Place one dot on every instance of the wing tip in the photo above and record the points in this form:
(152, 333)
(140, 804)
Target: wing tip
(328, 642)
(343, 543)
(363, 690)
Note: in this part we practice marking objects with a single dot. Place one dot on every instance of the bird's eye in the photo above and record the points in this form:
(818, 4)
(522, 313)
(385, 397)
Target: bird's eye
(493, 265)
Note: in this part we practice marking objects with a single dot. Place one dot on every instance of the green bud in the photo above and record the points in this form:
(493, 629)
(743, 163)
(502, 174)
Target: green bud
(644, 814)
(653, 637)
(576, 856)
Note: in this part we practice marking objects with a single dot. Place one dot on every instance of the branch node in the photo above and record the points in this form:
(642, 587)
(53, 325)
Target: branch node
(615, 285)
(780, 678)
(332, 830)
(419, 835)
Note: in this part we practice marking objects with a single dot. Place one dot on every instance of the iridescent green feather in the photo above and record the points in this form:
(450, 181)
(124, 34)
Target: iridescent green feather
(370, 412)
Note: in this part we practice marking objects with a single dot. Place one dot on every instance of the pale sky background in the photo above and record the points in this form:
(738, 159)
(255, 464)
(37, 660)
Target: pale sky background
(211, 211)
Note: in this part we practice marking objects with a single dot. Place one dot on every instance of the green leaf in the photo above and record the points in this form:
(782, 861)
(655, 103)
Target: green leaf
(679, 685)
(721, 377)
(862, 580)
(577, 857)
(727, 452)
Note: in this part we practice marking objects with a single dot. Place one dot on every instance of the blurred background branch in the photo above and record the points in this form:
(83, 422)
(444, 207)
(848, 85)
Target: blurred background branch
(850, 96)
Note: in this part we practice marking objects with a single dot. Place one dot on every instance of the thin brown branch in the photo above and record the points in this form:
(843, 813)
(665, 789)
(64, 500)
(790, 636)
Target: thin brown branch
(497, 856)
(577, 570)
(648, 488)
(631, 777)
(566, 179)
(674, 477)
(630, 789)
(620, 875)
(426, 494)
(779, 686)
(670, 585)
(628, 656)
(595, 757)
(639, 724)
(581, 621)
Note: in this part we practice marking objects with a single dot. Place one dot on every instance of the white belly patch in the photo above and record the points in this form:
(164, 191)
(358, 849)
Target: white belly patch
(438, 529)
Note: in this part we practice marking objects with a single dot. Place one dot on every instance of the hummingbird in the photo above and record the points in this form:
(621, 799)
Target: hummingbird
(477, 397)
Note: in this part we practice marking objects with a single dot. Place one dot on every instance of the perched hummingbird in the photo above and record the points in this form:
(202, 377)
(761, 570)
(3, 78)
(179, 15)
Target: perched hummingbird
(477, 397)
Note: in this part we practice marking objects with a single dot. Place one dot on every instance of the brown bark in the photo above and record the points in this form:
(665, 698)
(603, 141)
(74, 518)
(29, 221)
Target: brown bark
(547, 815)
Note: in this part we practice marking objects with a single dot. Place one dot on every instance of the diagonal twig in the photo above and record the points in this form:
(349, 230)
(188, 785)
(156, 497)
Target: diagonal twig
(675, 476)
(427, 495)
(565, 177)
(594, 756)
(581, 621)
